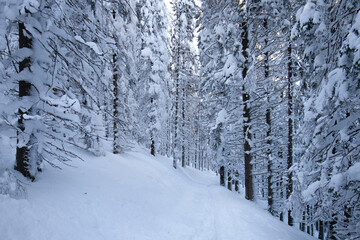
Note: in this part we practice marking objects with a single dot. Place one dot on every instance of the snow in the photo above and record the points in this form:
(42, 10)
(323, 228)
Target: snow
(354, 39)
(146, 52)
(10, 11)
(337, 78)
(92, 45)
(134, 196)
(319, 61)
(354, 172)
(221, 116)
(308, 13)
(310, 191)
(7, 150)
(79, 39)
(29, 5)
(337, 181)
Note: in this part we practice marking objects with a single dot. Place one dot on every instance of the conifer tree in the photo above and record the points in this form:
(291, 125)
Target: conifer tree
(153, 72)
(183, 66)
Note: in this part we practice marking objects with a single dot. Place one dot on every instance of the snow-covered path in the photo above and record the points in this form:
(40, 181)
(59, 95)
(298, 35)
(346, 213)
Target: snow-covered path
(134, 196)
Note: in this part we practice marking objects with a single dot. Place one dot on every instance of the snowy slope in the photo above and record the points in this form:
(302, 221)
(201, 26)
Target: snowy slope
(134, 196)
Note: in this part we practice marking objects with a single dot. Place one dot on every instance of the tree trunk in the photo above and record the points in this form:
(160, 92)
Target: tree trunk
(229, 185)
(176, 122)
(269, 168)
(268, 123)
(236, 181)
(289, 188)
(152, 141)
(183, 127)
(249, 192)
(222, 176)
(152, 147)
(302, 223)
(309, 220)
(116, 147)
(321, 230)
(24, 153)
(177, 103)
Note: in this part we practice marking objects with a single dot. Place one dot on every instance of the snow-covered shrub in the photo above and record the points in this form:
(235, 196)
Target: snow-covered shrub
(10, 185)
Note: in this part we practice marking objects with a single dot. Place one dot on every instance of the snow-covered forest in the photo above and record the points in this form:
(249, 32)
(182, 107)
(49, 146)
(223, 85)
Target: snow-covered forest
(263, 93)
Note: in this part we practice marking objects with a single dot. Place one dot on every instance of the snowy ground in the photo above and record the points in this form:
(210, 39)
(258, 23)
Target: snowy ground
(134, 196)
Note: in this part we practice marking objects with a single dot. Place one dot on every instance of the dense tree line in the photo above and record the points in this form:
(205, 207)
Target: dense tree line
(81, 74)
(281, 85)
(268, 96)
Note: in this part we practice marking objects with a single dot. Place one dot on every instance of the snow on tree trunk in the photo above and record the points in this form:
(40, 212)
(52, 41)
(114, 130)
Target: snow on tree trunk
(289, 187)
(249, 193)
(26, 155)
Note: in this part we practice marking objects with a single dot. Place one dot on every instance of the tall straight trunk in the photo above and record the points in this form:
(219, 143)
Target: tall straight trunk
(152, 141)
(183, 127)
(168, 129)
(196, 152)
(176, 121)
(116, 147)
(249, 191)
(268, 123)
(269, 164)
(24, 153)
(177, 133)
(289, 187)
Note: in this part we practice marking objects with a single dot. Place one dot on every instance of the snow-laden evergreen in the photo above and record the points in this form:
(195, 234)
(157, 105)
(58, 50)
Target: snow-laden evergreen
(265, 93)
(299, 117)
(183, 70)
(153, 76)
(330, 127)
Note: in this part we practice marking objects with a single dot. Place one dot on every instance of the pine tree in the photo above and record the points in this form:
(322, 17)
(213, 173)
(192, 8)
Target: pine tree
(183, 65)
(153, 72)
(58, 104)
(119, 27)
(328, 118)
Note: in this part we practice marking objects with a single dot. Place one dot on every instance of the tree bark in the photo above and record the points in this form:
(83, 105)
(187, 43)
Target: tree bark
(176, 121)
(116, 101)
(268, 123)
(183, 126)
(23, 154)
(177, 103)
(249, 192)
(236, 181)
(269, 168)
(152, 147)
(229, 185)
(116, 147)
(222, 176)
(321, 230)
(289, 187)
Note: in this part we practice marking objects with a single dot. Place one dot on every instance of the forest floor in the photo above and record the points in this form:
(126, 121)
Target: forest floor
(134, 196)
